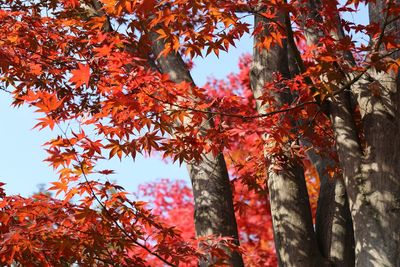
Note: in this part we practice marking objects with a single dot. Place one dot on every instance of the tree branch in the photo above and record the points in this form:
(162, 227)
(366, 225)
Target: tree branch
(233, 115)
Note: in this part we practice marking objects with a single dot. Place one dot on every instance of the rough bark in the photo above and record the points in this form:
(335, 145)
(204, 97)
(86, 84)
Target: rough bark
(371, 165)
(333, 223)
(375, 191)
(334, 227)
(214, 211)
(290, 208)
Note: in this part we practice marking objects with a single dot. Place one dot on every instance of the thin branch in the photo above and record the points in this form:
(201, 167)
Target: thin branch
(302, 68)
(393, 20)
(4, 89)
(364, 71)
(107, 211)
(244, 117)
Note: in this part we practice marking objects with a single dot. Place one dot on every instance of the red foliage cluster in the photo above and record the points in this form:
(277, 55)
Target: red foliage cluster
(43, 231)
(173, 202)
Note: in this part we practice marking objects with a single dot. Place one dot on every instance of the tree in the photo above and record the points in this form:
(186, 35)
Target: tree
(321, 103)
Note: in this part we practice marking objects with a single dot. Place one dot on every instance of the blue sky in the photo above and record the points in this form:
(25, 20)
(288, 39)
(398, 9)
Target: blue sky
(22, 154)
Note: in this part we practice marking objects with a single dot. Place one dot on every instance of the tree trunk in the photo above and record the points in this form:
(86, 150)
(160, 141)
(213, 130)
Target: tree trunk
(333, 223)
(334, 228)
(371, 178)
(214, 211)
(294, 236)
(371, 164)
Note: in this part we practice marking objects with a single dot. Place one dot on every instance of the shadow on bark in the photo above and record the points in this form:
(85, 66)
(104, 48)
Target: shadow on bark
(333, 226)
(295, 241)
(214, 211)
(371, 161)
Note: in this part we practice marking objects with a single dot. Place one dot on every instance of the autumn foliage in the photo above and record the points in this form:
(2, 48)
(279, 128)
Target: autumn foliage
(88, 69)
(66, 232)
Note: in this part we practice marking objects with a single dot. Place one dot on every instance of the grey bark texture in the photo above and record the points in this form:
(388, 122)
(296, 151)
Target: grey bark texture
(288, 189)
(294, 236)
(214, 211)
(371, 179)
(370, 172)
(371, 163)
(333, 223)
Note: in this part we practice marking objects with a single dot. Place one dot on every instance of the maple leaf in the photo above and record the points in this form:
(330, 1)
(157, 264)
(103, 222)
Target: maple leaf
(81, 75)
(59, 187)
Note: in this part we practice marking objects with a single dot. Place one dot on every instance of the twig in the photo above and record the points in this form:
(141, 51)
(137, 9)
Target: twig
(244, 117)
(357, 77)
(107, 211)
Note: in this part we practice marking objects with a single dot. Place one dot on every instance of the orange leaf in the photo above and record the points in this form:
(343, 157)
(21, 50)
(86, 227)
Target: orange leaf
(81, 75)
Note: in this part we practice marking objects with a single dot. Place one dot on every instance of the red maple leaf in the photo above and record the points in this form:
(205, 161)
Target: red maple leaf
(81, 75)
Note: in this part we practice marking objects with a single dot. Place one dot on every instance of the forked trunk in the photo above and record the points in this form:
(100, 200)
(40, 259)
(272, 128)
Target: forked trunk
(371, 163)
(294, 236)
(214, 211)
